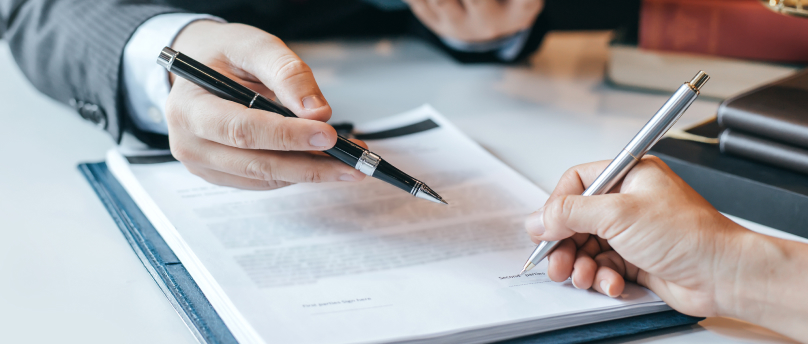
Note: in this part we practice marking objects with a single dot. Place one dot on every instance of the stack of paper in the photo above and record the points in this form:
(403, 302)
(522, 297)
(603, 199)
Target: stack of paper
(365, 262)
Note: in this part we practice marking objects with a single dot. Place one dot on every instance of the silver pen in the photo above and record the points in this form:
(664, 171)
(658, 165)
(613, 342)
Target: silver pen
(663, 120)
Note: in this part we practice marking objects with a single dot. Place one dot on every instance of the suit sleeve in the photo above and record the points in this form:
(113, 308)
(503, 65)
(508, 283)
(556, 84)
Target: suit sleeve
(71, 50)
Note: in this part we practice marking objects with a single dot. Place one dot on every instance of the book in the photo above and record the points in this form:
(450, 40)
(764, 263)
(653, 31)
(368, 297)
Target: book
(743, 29)
(768, 124)
(347, 262)
(770, 152)
(633, 67)
(776, 111)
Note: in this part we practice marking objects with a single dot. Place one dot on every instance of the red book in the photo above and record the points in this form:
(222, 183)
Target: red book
(733, 28)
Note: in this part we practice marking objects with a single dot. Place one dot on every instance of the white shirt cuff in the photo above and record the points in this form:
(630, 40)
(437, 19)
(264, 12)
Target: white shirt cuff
(507, 48)
(145, 83)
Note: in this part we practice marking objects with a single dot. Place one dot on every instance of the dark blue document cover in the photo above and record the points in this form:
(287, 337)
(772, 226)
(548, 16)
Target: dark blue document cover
(189, 302)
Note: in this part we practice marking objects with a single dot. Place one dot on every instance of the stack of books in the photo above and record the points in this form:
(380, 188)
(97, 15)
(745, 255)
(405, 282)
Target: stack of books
(741, 44)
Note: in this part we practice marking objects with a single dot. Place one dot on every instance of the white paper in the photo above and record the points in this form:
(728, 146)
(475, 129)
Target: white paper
(366, 262)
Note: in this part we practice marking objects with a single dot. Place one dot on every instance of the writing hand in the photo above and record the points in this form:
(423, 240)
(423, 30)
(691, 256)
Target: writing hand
(656, 231)
(231, 145)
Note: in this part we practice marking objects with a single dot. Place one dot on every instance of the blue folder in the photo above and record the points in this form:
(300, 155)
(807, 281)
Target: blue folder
(208, 327)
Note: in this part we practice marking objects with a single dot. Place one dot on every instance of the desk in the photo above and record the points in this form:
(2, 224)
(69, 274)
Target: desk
(69, 275)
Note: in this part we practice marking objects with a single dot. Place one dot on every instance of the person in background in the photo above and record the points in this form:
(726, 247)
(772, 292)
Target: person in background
(99, 57)
(655, 230)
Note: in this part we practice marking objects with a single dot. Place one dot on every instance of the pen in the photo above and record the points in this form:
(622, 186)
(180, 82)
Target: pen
(659, 124)
(346, 151)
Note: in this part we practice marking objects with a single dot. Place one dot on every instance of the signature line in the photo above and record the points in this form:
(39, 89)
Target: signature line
(519, 285)
(353, 309)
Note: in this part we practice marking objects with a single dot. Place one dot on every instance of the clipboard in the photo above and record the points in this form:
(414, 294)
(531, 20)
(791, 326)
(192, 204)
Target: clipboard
(206, 325)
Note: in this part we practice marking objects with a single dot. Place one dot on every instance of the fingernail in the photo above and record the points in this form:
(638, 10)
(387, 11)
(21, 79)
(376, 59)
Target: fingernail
(319, 140)
(313, 102)
(605, 287)
(534, 224)
(347, 177)
(573, 283)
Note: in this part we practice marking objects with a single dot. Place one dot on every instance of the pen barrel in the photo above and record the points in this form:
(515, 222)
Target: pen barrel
(612, 175)
(209, 79)
(657, 126)
(346, 151)
(663, 119)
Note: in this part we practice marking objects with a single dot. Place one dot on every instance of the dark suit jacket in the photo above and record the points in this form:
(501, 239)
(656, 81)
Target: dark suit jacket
(72, 49)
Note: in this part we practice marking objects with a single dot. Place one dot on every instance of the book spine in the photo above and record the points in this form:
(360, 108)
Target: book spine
(774, 111)
(741, 29)
(765, 151)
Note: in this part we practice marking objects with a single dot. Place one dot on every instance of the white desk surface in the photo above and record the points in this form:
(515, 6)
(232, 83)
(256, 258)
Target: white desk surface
(68, 275)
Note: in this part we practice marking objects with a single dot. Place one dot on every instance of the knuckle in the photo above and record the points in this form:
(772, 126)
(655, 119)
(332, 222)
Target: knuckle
(313, 175)
(566, 206)
(289, 66)
(283, 137)
(239, 133)
(175, 113)
(181, 153)
(259, 169)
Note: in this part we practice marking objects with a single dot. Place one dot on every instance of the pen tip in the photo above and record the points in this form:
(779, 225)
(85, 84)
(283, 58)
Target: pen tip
(527, 267)
(521, 272)
(428, 194)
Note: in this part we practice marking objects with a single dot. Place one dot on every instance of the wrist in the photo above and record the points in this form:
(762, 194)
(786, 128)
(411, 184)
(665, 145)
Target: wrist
(736, 293)
(763, 272)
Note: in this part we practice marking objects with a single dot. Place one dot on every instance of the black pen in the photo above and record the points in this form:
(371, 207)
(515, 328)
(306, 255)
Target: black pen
(346, 151)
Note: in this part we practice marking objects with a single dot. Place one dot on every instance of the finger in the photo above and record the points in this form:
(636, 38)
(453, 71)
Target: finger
(575, 180)
(483, 10)
(591, 247)
(560, 261)
(448, 11)
(605, 216)
(237, 126)
(229, 180)
(609, 277)
(424, 12)
(583, 271)
(522, 13)
(275, 65)
(293, 167)
(608, 282)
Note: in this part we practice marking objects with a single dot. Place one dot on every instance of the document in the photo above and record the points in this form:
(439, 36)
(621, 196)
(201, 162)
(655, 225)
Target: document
(365, 262)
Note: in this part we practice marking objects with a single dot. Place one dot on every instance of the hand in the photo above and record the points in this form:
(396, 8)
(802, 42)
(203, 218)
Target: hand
(231, 145)
(476, 20)
(657, 231)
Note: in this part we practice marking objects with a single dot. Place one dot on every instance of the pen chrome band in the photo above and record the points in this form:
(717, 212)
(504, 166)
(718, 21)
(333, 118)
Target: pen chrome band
(166, 58)
(368, 162)
(416, 188)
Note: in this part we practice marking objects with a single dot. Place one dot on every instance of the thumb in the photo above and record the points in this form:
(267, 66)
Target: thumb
(603, 215)
(280, 69)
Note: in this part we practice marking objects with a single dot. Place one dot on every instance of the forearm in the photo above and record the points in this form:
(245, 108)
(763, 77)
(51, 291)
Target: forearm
(769, 282)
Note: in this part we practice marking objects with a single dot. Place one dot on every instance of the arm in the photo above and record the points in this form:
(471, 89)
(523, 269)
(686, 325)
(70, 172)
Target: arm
(71, 50)
(658, 232)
